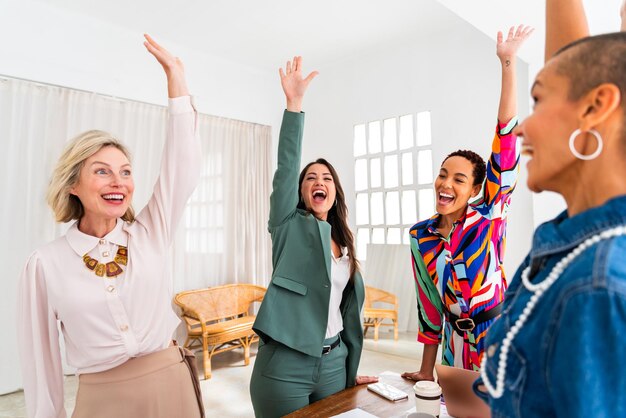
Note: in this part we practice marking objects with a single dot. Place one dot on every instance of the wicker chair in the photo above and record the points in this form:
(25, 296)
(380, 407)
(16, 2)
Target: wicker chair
(218, 319)
(374, 317)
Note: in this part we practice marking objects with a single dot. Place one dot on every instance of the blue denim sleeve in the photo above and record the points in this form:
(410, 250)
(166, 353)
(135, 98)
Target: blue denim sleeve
(586, 370)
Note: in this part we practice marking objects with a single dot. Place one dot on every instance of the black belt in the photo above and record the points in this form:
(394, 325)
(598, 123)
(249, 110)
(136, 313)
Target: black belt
(462, 325)
(328, 348)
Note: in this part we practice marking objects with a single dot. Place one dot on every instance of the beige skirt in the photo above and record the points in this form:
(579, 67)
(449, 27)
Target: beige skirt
(158, 385)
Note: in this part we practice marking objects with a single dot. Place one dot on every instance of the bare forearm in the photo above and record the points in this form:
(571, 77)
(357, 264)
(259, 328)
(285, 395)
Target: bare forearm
(294, 105)
(565, 23)
(176, 85)
(429, 357)
(508, 93)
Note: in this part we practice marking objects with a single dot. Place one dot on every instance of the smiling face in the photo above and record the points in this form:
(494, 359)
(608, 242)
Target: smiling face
(546, 131)
(454, 186)
(318, 190)
(105, 186)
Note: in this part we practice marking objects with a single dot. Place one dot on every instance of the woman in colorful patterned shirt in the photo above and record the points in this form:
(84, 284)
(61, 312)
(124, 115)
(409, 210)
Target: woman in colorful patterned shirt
(457, 254)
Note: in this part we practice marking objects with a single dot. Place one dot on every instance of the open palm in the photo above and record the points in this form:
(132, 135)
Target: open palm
(508, 47)
(294, 85)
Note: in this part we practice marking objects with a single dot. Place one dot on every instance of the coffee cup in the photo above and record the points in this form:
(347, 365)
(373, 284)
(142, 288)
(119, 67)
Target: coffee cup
(427, 397)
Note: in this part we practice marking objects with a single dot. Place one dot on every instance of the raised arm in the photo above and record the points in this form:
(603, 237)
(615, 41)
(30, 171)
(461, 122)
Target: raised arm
(503, 164)
(182, 154)
(284, 198)
(565, 23)
(506, 50)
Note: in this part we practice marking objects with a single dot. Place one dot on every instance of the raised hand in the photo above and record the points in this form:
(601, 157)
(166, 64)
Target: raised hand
(173, 67)
(506, 50)
(294, 85)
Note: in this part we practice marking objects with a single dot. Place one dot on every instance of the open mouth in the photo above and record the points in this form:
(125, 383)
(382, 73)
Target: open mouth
(445, 199)
(115, 198)
(527, 150)
(319, 196)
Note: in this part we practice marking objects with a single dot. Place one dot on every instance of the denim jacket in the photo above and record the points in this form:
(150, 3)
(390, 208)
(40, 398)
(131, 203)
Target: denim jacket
(569, 359)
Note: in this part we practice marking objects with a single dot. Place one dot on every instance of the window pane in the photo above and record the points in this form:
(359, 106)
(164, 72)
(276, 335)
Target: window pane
(423, 129)
(375, 172)
(378, 236)
(362, 210)
(391, 171)
(427, 203)
(406, 238)
(407, 168)
(390, 136)
(377, 209)
(360, 174)
(425, 167)
(392, 208)
(393, 236)
(409, 207)
(362, 239)
(359, 140)
(374, 142)
(406, 131)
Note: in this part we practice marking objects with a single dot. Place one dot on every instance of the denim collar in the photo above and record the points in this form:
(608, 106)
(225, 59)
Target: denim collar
(564, 233)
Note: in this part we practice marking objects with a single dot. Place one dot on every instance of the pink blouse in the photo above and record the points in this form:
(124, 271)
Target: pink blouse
(106, 321)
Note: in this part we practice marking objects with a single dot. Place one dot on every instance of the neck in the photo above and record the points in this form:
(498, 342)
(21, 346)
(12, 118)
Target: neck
(446, 221)
(96, 227)
(591, 184)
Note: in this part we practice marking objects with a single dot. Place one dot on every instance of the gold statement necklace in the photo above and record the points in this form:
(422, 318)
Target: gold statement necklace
(112, 268)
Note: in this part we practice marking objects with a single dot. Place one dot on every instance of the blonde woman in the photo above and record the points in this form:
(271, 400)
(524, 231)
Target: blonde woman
(105, 282)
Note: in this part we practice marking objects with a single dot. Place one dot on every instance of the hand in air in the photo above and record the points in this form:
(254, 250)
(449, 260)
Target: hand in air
(294, 84)
(507, 48)
(173, 67)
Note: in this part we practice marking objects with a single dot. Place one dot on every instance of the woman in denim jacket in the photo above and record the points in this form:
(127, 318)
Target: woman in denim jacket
(557, 350)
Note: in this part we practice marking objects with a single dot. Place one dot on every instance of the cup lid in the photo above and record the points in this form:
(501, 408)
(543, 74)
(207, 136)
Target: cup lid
(427, 388)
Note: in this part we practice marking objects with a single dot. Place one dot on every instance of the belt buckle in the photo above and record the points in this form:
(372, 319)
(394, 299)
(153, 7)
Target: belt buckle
(326, 349)
(465, 324)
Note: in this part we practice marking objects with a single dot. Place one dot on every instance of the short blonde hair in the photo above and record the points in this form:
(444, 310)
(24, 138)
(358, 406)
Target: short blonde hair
(66, 206)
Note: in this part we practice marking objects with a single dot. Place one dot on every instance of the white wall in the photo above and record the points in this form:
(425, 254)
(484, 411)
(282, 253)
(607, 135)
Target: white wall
(454, 74)
(47, 44)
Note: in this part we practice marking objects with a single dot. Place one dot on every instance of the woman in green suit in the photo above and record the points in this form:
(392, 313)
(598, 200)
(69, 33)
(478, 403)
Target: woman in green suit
(309, 321)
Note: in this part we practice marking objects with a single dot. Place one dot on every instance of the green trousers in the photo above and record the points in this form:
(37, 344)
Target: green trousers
(284, 380)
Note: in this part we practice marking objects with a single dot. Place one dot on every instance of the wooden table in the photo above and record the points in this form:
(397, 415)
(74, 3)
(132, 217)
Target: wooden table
(360, 397)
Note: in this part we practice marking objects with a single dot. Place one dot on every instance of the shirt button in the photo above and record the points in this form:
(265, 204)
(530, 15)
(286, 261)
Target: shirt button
(102, 241)
(491, 350)
(110, 288)
(124, 328)
(105, 254)
(326, 285)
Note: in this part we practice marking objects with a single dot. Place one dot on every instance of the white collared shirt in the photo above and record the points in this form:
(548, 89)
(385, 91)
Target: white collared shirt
(106, 321)
(339, 277)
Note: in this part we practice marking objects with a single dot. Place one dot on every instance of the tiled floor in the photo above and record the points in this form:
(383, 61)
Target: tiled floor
(226, 393)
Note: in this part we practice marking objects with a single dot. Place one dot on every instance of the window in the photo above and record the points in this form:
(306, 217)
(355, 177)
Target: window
(393, 170)
(204, 216)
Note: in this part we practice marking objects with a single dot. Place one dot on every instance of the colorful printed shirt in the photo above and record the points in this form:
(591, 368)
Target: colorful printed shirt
(462, 273)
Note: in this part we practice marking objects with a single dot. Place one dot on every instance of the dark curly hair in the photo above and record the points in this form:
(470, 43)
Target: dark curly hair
(480, 169)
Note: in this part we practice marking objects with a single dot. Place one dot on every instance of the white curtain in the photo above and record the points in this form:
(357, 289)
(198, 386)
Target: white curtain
(222, 237)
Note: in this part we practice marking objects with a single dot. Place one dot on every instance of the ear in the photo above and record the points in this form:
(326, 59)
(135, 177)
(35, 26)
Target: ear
(476, 190)
(600, 103)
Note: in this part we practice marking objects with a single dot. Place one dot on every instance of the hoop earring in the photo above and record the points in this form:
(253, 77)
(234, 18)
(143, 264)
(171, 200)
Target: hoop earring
(577, 154)
(335, 202)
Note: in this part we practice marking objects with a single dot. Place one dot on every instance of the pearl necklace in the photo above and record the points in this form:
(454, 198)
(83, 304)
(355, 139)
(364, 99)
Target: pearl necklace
(537, 290)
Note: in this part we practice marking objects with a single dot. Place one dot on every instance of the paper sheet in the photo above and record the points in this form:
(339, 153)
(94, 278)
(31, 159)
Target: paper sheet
(355, 413)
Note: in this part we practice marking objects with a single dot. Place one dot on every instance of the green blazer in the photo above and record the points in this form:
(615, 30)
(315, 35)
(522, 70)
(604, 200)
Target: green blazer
(294, 311)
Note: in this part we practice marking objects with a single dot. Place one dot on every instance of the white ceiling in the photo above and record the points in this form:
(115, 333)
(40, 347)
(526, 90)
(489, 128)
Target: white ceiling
(262, 33)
